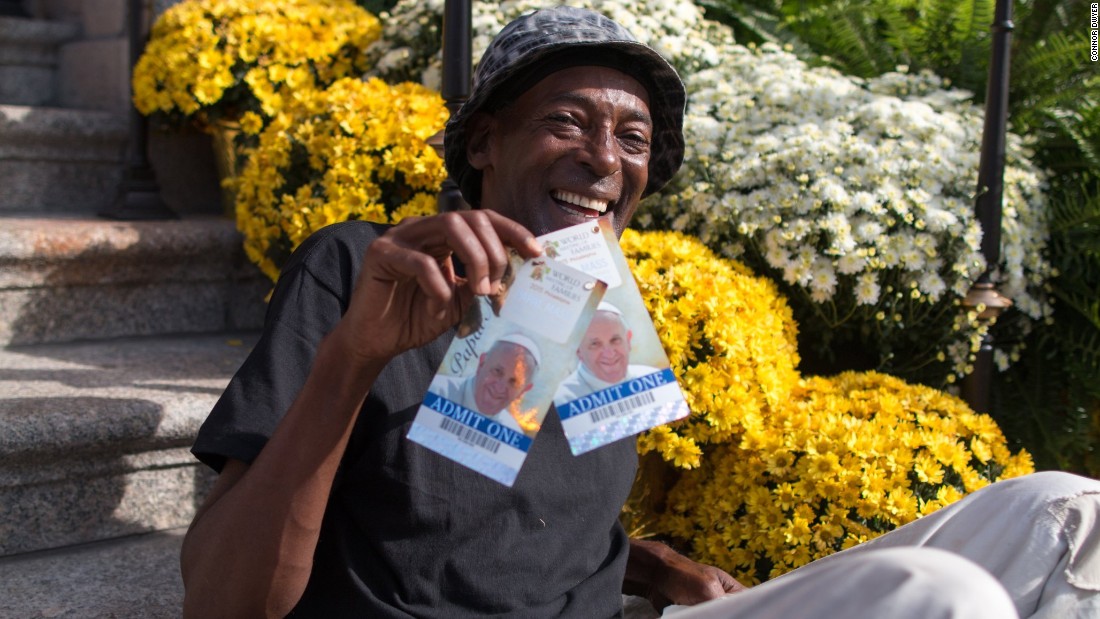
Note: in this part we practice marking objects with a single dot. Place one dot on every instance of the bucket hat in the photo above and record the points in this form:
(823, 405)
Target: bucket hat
(541, 42)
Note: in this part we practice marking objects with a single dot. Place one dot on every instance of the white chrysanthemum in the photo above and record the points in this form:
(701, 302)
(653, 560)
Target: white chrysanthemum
(931, 284)
(877, 177)
(867, 289)
(822, 281)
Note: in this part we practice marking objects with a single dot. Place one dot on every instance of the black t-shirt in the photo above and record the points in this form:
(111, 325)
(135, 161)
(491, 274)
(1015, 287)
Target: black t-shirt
(408, 532)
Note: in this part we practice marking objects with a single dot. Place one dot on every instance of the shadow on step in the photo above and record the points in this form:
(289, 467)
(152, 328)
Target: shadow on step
(81, 469)
(95, 436)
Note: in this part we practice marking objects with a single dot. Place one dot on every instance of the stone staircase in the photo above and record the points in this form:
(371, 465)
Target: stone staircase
(60, 151)
(116, 337)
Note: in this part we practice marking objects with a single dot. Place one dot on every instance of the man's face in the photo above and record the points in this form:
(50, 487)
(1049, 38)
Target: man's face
(605, 349)
(572, 148)
(503, 376)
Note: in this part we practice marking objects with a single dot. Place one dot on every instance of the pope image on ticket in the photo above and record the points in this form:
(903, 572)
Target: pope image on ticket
(498, 378)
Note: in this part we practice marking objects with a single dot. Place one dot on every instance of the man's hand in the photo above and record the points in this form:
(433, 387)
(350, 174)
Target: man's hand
(408, 292)
(666, 577)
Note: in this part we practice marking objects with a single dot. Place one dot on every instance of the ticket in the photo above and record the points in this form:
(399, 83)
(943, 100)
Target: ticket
(619, 381)
(489, 397)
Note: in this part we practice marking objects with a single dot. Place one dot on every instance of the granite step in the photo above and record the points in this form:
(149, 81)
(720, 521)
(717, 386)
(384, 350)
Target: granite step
(66, 279)
(135, 577)
(56, 160)
(29, 58)
(95, 436)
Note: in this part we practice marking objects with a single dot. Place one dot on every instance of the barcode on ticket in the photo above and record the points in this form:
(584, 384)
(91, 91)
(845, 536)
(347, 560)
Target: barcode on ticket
(621, 407)
(470, 437)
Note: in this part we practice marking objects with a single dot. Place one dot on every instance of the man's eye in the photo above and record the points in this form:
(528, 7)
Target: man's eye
(635, 140)
(561, 118)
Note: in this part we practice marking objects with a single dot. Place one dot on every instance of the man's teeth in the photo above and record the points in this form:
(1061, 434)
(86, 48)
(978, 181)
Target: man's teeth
(581, 201)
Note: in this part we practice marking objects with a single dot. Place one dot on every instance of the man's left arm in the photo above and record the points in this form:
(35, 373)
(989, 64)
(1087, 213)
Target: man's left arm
(663, 576)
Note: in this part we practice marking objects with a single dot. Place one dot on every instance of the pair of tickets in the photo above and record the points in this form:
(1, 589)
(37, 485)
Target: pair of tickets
(569, 328)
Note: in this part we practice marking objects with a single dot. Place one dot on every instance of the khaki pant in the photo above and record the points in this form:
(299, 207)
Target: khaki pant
(1026, 547)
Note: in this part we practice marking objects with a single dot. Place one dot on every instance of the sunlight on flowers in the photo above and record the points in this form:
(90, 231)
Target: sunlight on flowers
(842, 460)
(357, 150)
(211, 61)
(729, 336)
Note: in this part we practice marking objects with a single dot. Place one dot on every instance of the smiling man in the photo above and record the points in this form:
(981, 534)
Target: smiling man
(323, 509)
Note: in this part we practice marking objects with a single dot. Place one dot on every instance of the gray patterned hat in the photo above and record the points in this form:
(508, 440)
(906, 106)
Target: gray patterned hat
(539, 43)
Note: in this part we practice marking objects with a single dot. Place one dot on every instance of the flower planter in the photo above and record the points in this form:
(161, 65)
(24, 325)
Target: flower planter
(186, 170)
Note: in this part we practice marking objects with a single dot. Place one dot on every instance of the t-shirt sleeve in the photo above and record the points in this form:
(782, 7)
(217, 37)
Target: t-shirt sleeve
(309, 299)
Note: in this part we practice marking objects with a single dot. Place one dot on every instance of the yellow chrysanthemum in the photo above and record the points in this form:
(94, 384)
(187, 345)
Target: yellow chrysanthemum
(728, 334)
(357, 150)
(210, 61)
(837, 462)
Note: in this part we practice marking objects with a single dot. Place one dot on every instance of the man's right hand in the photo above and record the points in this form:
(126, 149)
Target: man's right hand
(408, 293)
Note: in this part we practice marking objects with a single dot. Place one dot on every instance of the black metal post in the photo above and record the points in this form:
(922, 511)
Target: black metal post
(457, 63)
(12, 8)
(984, 295)
(139, 196)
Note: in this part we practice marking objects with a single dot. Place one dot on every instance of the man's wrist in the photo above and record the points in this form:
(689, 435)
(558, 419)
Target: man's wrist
(338, 355)
(647, 560)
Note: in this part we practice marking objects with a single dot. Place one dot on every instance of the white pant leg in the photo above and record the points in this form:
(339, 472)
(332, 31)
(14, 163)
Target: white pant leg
(1039, 535)
(891, 583)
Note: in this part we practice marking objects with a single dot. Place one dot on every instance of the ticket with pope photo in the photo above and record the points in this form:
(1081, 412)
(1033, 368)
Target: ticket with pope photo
(497, 380)
(619, 381)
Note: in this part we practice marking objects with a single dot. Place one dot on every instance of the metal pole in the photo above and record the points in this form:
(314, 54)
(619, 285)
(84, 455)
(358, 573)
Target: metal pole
(983, 296)
(139, 196)
(13, 8)
(457, 63)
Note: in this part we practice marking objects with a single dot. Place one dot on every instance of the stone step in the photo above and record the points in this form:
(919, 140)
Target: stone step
(95, 436)
(135, 577)
(65, 279)
(29, 55)
(60, 160)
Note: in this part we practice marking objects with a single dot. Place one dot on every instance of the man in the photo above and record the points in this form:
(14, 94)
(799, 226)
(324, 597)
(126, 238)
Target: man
(504, 373)
(323, 509)
(603, 355)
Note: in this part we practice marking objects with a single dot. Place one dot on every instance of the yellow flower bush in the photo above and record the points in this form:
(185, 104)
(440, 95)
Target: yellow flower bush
(844, 460)
(770, 470)
(237, 60)
(729, 336)
(357, 150)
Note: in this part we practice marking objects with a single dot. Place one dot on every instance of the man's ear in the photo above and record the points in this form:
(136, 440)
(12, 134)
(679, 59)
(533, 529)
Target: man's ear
(479, 130)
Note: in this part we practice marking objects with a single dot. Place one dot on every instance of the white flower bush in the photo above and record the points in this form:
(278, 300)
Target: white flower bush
(410, 45)
(859, 197)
